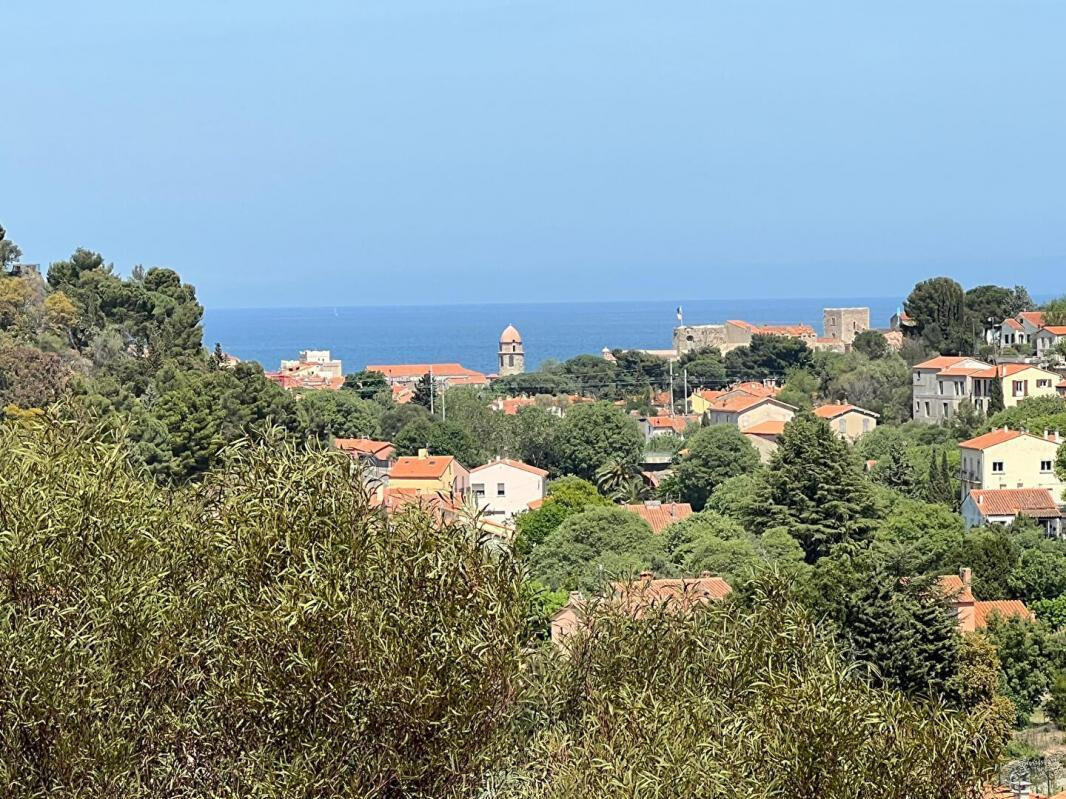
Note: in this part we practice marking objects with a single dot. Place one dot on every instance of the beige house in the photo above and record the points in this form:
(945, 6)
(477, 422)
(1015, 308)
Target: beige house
(430, 474)
(1019, 380)
(504, 487)
(765, 436)
(850, 422)
(742, 410)
(1010, 459)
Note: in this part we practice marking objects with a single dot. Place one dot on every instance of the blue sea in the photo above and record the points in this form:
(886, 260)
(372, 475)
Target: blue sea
(468, 334)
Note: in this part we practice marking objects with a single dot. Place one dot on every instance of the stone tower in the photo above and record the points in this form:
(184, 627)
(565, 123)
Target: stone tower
(512, 356)
(844, 324)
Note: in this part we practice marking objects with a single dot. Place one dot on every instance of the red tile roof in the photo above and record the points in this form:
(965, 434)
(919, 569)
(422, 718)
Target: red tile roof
(757, 389)
(675, 423)
(1013, 324)
(646, 591)
(658, 515)
(415, 468)
(736, 402)
(940, 362)
(771, 427)
(991, 439)
(1035, 318)
(954, 588)
(983, 611)
(514, 465)
(833, 411)
(414, 370)
(1056, 330)
(1036, 502)
(794, 331)
(383, 450)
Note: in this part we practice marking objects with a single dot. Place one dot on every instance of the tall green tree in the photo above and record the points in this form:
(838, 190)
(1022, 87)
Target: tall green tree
(767, 356)
(938, 308)
(896, 471)
(715, 454)
(593, 433)
(533, 431)
(594, 546)
(425, 391)
(816, 489)
(995, 397)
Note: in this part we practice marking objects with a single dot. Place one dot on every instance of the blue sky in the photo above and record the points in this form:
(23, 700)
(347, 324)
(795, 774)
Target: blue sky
(413, 151)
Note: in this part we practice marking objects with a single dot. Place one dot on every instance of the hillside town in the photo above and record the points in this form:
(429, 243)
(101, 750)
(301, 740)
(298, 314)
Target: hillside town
(894, 497)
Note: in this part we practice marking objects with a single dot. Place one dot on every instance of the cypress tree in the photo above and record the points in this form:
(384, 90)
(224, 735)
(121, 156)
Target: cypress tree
(995, 396)
(815, 489)
(897, 472)
(939, 487)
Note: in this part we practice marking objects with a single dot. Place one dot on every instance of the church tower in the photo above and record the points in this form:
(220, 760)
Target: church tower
(512, 356)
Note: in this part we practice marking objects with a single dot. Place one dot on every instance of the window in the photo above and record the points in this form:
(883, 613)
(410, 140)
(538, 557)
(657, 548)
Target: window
(510, 360)
(479, 490)
(1043, 384)
(947, 413)
(997, 467)
(1019, 388)
(940, 387)
(927, 407)
(501, 489)
(1045, 466)
(842, 426)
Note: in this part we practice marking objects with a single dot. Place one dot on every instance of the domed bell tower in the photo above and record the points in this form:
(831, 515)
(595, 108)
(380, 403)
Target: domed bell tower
(512, 356)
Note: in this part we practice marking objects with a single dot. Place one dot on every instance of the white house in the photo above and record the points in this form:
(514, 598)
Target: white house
(1048, 338)
(504, 487)
(1004, 506)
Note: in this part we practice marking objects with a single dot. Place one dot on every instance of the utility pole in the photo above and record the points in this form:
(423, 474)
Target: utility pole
(432, 385)
(672, 388)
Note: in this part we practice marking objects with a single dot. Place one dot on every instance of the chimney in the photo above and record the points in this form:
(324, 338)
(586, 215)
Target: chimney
(966, 575)
(706, 574)
(423, 454)
(646, 576)
(980, 499)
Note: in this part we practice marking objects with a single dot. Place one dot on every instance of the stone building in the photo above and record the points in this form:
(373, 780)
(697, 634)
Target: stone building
(844, 324)
(512, 354)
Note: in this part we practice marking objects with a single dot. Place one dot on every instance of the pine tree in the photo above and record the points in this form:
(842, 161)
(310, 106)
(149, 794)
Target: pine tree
(897, 472)
(816, 490)
(995, 396)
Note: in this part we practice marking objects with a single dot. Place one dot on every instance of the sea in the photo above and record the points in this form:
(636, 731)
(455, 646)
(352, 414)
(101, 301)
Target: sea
(468, 334)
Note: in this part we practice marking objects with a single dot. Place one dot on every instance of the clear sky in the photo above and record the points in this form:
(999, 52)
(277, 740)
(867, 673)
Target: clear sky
(409, 151)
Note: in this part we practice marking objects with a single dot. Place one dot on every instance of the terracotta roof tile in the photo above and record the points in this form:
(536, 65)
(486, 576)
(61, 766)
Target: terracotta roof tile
(414, 370)
(1056, 330)
(991, 439)
(1035, 318)
(771, 427)
(832, 411)
(659, 516)
(1036, 502)
(410, 467)
(983, 611)
(514, 465)
(940, 362)
(365, 446)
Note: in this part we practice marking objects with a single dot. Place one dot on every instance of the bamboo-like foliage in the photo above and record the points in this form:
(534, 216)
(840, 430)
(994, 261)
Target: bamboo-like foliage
(266, 633)
(730, 702)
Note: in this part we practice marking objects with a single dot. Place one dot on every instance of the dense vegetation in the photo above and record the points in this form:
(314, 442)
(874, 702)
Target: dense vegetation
(198, 598)
(266, 632)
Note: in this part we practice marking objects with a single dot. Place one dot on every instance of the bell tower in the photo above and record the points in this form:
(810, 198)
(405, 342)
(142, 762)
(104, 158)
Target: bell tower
(512, 356)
